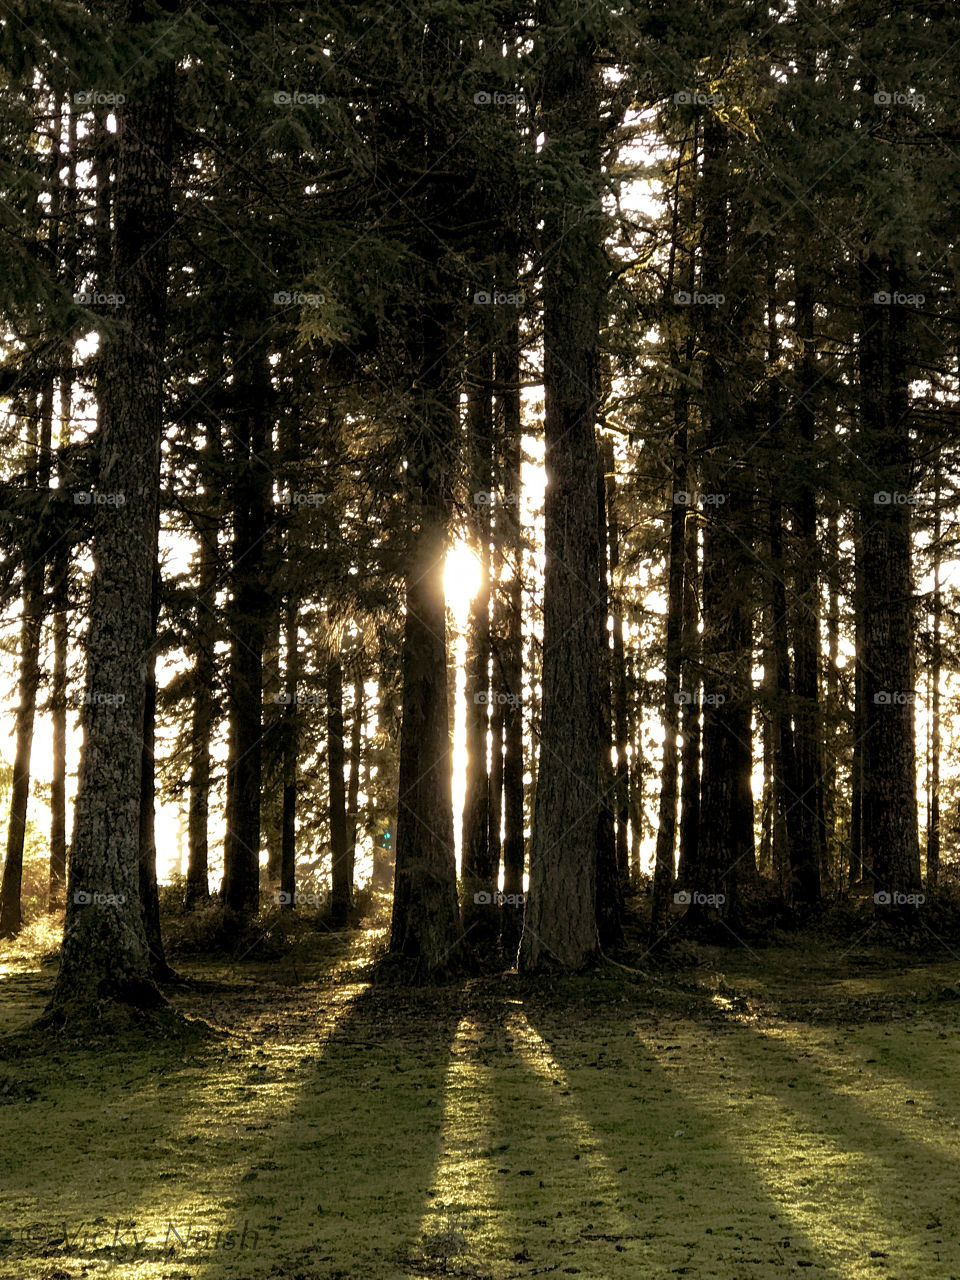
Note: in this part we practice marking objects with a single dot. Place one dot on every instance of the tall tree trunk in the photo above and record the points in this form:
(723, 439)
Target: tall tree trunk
(618, 676)
(147, 876)
(726, 818)
(60, 573)
(202, 715)
(355, 762)
(858, 869)
(808, 848)
(689, 854)
(479, 908)
(341, 882)
(560, 919)
(291, 741)
(663, 874)
(271, 803)
(511, 642)
(936, 665)
(609, 887)
(249, 618)
(105, 956)
(889, 822)
(37, 475)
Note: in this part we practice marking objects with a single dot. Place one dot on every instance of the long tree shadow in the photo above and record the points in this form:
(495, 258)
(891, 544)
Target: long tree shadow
(884, 1151)
(673, 1167)
(349, 1155)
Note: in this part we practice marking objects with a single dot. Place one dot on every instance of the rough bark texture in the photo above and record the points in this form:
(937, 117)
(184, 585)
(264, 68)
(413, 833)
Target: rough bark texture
(560, 919)
(104, 954)
(889, 822)
(726, 800)
(248, 620)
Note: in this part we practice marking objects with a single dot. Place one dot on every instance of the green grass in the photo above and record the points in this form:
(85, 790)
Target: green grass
(790, 1112)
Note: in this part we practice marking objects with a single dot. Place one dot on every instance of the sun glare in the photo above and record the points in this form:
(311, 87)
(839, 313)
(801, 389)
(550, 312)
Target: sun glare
(462, 573)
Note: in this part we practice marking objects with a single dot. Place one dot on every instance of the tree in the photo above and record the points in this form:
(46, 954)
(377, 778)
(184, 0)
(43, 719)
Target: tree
(105, 958)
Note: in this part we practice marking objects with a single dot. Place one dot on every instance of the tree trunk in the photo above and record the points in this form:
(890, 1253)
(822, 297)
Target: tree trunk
(202, 720)
(105, 956)
(511, 642)
(479, 909)
(609, 887)
(288, 844)
(808, 848)
(936, 664)
(726, 799)
(621, 723)
(689, 854)
(341, 882)
(889, 821)
(60, 579)
(249, 620)
(147, 876)
(353, 779)
(560, 921)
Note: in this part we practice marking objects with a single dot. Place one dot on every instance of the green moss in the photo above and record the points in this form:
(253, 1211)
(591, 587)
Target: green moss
(754, 1121)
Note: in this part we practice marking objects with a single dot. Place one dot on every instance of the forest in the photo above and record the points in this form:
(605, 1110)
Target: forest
(479, 639)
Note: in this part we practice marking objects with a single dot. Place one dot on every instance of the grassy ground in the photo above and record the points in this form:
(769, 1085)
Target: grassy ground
(751, 1115)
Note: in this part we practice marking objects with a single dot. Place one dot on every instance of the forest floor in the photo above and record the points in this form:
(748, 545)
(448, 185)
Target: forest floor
(749, 1114)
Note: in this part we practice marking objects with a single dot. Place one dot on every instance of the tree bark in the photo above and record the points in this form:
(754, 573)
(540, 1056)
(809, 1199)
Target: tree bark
(560, 921)
(889, 821)
(105, 955)
(248, 620)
